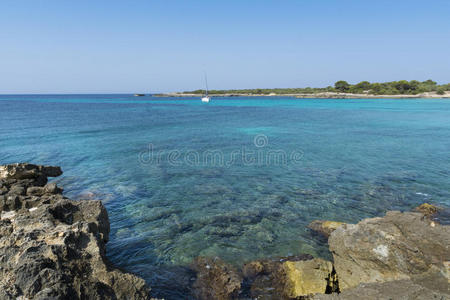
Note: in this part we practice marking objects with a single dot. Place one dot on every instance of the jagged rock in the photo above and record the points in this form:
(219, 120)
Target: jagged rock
(215, 279)
(52, 247)
(52, 188)
(395, 247)
(35, 191)
(3, 190)
(28, 171)
(10, 202)
(324, 227)
(17, 189)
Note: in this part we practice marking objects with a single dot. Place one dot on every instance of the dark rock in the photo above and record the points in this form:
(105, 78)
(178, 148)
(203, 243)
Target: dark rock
(50, 171)
(442, 216)
(10, 202)
(24, 171)
(17, 189)
(3, 190)
(215, 279)
(28, 171)
(52, 188)
(252, 269)
(52, 247)
(35, 191)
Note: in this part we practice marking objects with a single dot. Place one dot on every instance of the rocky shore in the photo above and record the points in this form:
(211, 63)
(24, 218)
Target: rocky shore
(54, 248)
(403, 255)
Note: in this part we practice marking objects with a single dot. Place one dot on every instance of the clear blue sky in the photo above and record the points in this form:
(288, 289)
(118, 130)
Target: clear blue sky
(142, 46)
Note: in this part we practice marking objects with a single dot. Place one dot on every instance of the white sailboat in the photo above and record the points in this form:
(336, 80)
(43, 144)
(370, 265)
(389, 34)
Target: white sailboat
(206, 98)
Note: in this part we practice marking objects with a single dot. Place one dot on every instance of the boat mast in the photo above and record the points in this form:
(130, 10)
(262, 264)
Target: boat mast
(206, 81)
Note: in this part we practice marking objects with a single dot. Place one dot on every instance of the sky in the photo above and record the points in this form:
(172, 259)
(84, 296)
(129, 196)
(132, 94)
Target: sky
(112, 46)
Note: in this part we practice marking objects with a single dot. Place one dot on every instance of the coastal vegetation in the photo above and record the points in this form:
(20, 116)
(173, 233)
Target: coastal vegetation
(401, 87)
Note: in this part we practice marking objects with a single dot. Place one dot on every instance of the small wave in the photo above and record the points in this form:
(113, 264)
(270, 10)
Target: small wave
(422, 194)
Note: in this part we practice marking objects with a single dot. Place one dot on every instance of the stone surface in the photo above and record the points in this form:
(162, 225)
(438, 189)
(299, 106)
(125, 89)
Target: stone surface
(289, 277)
(308, 277)
(324, 227)
(432, 285)
(52, 247)
(52, 188)
(22, 171)
(215, 279)
(395, 247)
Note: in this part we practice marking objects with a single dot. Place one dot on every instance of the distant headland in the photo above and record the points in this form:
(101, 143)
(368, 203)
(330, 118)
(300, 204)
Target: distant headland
(341, 90)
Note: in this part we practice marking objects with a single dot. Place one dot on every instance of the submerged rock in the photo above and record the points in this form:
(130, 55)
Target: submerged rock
(398, 246)
(53, 247)
(325, 228)
(215, 279)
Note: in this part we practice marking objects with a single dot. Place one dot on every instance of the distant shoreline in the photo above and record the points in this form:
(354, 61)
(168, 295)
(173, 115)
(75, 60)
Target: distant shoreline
(324, 95)
(401, 89)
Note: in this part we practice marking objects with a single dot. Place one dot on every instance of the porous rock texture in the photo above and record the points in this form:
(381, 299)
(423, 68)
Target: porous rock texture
(52, 247)
(397, 246)
(215, 279)
(431, 285)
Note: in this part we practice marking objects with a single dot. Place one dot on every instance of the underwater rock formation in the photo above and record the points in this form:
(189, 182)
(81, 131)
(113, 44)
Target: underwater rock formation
(53, 247)
(215, 279)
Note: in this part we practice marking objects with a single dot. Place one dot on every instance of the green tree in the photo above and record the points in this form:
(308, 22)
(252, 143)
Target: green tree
(363, 85)
(342, 86)
(430, 82)
(440, 91)
(402, 86)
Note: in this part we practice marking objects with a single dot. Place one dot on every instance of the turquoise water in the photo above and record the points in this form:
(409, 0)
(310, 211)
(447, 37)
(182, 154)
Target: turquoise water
(239, 177)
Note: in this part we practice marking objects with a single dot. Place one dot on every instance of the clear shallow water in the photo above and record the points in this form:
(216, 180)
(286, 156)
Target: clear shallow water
(176, 184)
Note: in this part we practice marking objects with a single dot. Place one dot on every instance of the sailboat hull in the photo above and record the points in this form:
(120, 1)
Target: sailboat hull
(205, 99)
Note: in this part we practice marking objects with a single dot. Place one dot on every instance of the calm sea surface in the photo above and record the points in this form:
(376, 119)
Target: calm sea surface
(238, 178)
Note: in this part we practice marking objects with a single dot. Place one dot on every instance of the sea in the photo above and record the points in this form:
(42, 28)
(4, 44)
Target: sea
(239, 178)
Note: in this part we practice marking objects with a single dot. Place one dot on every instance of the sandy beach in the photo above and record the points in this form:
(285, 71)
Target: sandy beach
(326, 95)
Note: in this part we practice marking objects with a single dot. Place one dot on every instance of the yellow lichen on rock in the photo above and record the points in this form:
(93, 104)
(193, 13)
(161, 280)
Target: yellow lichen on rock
(428, 210)
(324, 227)
(306, 277)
